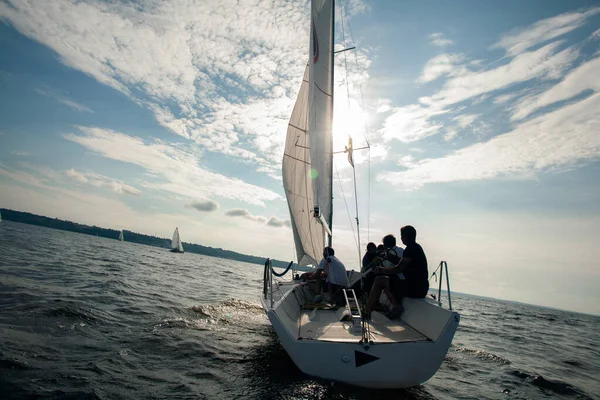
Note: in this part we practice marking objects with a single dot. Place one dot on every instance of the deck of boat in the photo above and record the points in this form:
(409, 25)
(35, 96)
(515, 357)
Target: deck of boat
(325, 325)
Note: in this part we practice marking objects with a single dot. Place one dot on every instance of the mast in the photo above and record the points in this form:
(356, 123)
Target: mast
(330, 222)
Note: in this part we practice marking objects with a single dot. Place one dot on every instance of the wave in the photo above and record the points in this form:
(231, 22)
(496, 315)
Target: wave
(216, 316)
(484, 355)
(71, 311)
(13, 363)
(228, 307)
(180, 322)
(555, 386)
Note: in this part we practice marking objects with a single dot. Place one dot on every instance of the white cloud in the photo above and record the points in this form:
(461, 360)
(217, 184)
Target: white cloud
(19, 176)
(61, 98)
(450, 134)
(203, 205)
(411, 123)
(417, 121)
(584, 77)
(544, 63)
(76, 175)
(176, 168)
(272, 221)
(437, 39)
(465, 120)
(443, 64)
(278, 223)
(20, 153)
(505, 98)
(560, 139)
(542, 31)
(102, 181)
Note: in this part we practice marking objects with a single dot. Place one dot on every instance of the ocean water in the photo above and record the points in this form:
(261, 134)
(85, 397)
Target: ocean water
(83, 317)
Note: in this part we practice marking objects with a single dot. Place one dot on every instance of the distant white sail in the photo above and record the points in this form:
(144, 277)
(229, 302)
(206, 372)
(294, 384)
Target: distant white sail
(121, 235)
(176, 244)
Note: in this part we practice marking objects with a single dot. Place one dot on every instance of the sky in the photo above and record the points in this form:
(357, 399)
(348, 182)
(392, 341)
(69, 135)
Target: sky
(481, 117)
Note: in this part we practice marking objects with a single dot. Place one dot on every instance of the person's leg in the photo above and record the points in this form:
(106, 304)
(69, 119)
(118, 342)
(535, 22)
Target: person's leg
(399, 289)
(390, 292)
(380, 284)
(319, 282)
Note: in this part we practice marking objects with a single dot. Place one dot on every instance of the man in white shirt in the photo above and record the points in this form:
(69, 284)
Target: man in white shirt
(333, 270)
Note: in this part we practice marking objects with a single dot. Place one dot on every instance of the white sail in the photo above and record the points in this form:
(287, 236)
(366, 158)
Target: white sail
(320, 110)
(176, 244)
(307, 160)
(308, 233)
(121, 235)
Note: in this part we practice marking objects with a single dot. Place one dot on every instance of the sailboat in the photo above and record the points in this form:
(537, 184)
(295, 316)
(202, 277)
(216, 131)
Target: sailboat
(339, 343)
(176, 245)
(121, 235)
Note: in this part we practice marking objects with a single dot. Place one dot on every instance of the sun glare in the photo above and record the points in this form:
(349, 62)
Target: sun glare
(349, 119)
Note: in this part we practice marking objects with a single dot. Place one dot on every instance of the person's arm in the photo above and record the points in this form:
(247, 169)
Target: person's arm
(372, 266)
(316, 274)
(396, 269)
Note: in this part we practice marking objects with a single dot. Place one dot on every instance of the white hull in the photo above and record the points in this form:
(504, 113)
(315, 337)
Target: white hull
(402, 353)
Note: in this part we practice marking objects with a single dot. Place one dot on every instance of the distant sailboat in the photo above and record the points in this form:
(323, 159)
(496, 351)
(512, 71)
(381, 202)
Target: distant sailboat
(176, 245)
(121, 235)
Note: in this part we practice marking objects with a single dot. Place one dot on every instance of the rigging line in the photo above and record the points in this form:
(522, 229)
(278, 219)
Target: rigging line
(362, 101)
(345, 202)
(362, 105)
(345, 16)
(357, 220)
(369, 200)
(345, 58)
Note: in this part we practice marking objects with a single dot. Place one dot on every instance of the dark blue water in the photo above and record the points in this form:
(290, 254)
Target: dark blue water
(83, 317)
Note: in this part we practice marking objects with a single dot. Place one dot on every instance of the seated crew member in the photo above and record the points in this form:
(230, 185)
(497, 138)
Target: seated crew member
(332, 270)
(370, 260)
(414, 266)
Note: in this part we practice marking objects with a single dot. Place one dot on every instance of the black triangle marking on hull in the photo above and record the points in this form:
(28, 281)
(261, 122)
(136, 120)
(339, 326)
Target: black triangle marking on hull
(361, 358)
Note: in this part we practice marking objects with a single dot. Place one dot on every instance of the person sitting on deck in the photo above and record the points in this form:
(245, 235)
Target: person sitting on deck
(370, 260)
(393, 253)
(332, 270)
(369, 256)
(414, 266)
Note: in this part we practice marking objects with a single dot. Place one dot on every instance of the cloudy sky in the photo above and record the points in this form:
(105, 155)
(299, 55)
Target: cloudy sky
(482, 119)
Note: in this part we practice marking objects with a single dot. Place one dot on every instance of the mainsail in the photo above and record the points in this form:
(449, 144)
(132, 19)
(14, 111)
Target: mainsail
(121, 235)
(307, 159)
(320, 111)
(176, 244)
